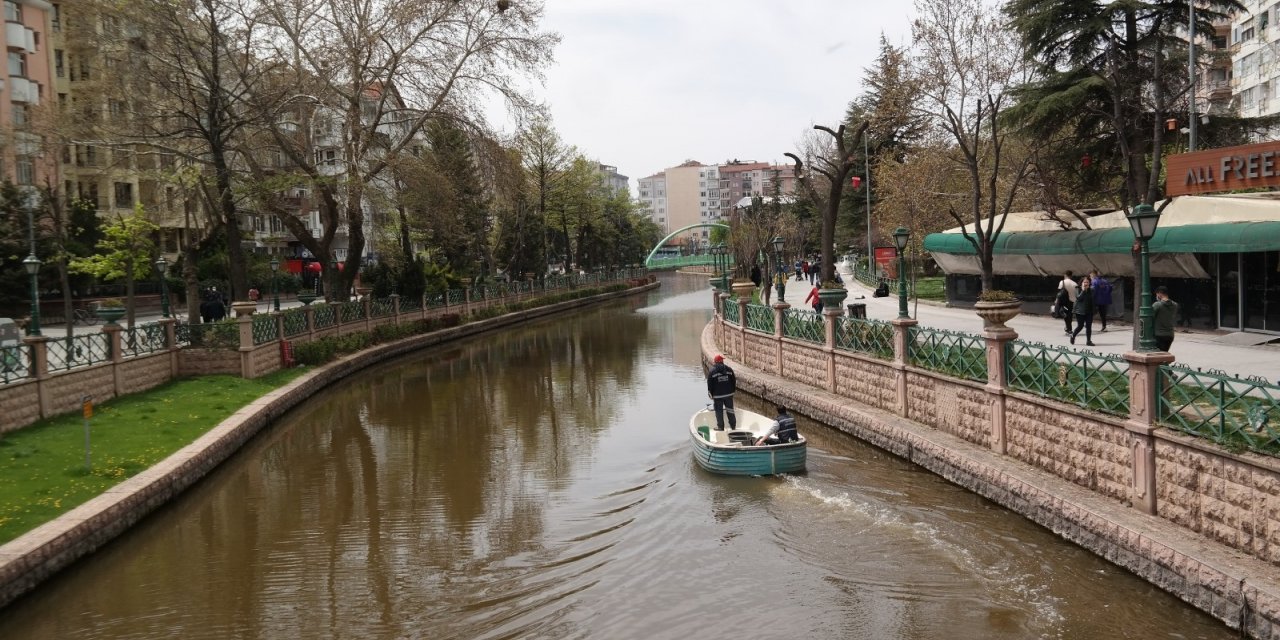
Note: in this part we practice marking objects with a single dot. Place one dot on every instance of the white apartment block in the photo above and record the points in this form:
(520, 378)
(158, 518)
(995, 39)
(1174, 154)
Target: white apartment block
(652, 196)
(1255, 58)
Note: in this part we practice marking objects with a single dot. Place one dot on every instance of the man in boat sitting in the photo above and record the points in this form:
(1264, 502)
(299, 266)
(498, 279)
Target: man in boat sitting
(721, 385)
(783, 429)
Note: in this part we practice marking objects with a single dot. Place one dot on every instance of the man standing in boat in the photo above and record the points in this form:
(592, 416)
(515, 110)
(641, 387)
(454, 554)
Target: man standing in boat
(783, 429)
(721, 385)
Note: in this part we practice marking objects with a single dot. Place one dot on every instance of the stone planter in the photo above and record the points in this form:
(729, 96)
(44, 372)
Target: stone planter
(306, 298)
(833, 298)
(244, 307)
(111, 315)
(995, 314)
(743, 290)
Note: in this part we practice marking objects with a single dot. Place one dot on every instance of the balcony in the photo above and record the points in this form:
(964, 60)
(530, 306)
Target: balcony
(24, 90)
(19, 37)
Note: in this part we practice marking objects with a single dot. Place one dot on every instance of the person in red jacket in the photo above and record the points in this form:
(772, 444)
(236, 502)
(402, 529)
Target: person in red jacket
(814, 300)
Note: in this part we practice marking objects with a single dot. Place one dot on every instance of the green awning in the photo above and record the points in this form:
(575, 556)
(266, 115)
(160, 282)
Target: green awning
(1228, 237)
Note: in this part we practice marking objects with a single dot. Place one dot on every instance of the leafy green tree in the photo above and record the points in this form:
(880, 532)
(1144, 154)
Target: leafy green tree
(125, 251)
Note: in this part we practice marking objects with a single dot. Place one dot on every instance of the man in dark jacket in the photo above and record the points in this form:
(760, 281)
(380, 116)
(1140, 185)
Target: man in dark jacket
(721, 385)
(782, 430)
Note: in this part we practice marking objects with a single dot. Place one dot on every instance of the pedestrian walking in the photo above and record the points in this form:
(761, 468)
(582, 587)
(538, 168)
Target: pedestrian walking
(1165, 313)
(721, 385)
(1084, 312)
(755, 275)
(815, 300)
(1101, 296)
(1066, 299)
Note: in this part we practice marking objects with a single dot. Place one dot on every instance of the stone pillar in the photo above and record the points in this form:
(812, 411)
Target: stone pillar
(395, 308)
(245, 325)
(1144, 407)
(998, 338)
(366, 305)
(116, 354)
(901, 340)
(742, 326)
(466, 301)
(39, 353)
(311, 321)
(171, 341)
(829, 319)
(779, 317)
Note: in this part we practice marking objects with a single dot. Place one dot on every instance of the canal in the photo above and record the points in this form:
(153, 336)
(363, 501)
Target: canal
(538, 483)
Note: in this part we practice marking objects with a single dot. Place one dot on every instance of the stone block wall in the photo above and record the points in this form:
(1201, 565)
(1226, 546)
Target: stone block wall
(1071, 444)
(864, 381)
(19, 405)
(204, 362)
(804, 362)
(1233, 501)
(960, 408)
(64, 391)
(760, 353)
(145, 372)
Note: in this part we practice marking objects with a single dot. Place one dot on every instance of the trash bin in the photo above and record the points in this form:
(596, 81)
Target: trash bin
(858, 310)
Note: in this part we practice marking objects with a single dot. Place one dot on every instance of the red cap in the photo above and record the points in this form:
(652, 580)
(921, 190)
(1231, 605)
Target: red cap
(719, 358)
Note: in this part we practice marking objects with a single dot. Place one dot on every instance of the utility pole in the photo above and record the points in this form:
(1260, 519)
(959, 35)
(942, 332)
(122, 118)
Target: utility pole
(1191, 71)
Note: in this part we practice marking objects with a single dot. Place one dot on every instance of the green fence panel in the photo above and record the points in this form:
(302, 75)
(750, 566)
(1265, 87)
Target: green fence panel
(730, 312)
(326, 316)
(351, 311)
(295, 322)
(15, 362)
(457, 296)
(760, 318)
(410, 303)
(79, 351)
(870, 337)
(800, 324)
(214, 335)
(1083, 378)
(381, 308)
(143, 339)
(1234, 412)
(264, 329)
(963, 355)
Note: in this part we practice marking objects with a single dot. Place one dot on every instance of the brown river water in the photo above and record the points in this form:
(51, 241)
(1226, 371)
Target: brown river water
(538, 484)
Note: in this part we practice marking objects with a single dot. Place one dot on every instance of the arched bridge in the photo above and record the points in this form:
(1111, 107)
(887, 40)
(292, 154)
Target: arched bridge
(652, 262)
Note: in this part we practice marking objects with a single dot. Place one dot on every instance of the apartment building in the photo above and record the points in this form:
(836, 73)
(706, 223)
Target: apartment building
(1255, 58)
(27, 82)
(693, 193)
(611, 179)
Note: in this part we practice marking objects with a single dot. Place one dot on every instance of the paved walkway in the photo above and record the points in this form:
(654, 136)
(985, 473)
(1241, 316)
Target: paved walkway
(59, 330)
(1196, 349)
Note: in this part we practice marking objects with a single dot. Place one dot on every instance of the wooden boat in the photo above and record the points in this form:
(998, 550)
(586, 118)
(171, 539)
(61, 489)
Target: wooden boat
(734, 452)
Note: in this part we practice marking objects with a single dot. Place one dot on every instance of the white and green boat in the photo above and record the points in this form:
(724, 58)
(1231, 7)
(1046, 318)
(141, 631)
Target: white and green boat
(734, 452)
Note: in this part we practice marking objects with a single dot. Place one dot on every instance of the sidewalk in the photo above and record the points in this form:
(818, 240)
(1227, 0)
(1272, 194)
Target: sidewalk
(178, 311)
(1202, 350)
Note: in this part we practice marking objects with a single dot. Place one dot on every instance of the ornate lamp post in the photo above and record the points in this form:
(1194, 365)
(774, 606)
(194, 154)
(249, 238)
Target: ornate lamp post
(162, 266)
(900, 237)
(1143, 219)
(275, 289)
(32, 265)
(333, 274)
(723, 251)
(777, 260)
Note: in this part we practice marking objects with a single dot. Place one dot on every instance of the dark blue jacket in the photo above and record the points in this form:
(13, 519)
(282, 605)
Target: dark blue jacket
(721, 381)
(1101, 291)
(787, 428)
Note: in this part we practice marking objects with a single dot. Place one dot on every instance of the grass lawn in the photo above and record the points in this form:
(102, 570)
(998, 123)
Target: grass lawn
(931, 288)
(42, 472)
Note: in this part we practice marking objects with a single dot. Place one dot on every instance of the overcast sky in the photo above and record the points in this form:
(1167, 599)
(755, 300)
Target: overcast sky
(645, 85)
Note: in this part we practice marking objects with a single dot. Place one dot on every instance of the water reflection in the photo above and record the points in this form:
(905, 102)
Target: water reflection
(537, 483)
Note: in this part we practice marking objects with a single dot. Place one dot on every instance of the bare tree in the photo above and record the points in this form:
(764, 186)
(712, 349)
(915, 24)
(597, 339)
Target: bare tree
(966, 63)
(835, 165)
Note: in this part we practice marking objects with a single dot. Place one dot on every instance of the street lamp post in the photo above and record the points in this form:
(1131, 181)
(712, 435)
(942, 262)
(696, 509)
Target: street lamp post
(162, 266)
(900, 237)
(275, 289)
(724, 266)
(32, 265)
(1143, 219)
(779, 280)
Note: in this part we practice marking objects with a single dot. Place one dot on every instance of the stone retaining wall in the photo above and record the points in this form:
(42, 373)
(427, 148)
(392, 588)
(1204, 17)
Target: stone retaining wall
(1198, 521)
(34, 557)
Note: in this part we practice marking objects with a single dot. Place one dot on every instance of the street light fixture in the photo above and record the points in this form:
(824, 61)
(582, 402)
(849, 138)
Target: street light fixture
(162, 266)
(723, 251)
(780, 282)
(32, 265)
(1144, 219)
(900, 237)
(275, 290)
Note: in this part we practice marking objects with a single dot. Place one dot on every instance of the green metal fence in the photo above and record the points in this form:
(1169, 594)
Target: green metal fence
(143, 339)
(325, 316)
(15, 362)
(870, 337)
(351, 311)
(803, 325)
(1089, 380)
(214, 335)
(760, 318)
(381, 308)
(409, 304)
(1236, 413)
(730, 311)
(263, 328)
(78, 351)
(295, 322)
(963, 355)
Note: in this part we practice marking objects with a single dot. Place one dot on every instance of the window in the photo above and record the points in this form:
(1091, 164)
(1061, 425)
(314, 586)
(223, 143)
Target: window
(17, 64)
(19, 114)
(116, 107)
(124, 195)
(57, 63)
(25, 170)
(57, 17)
(12, 12)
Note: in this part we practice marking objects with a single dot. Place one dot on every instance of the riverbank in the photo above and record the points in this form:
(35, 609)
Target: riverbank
(1241, 591)
(37, 555)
